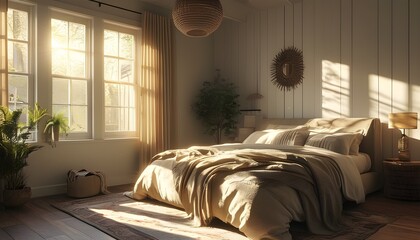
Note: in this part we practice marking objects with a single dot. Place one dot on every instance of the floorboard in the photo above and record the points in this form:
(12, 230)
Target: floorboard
(22, 232)
(39, 220)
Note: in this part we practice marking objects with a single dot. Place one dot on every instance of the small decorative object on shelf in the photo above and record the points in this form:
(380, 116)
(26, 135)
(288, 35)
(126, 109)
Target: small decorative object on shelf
(402, 179)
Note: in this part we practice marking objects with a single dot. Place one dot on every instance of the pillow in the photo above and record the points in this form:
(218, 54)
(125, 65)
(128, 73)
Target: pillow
(296, 136)
(354, 148)
(256, 137)
(291, 137)
(343, 143)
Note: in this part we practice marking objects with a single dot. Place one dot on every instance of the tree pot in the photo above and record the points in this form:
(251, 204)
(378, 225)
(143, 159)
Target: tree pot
(17, 197)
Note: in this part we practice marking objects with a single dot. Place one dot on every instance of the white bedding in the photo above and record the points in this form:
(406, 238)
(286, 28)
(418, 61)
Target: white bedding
(362, 162)
(234, 196)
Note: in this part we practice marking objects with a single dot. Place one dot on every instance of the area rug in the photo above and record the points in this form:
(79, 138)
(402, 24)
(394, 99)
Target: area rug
(127, 219)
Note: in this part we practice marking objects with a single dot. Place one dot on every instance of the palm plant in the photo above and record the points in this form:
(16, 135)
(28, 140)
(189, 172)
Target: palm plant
(14, 149)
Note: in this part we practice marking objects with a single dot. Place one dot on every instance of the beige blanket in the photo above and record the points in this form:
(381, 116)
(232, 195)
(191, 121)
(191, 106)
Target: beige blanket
(260, 191)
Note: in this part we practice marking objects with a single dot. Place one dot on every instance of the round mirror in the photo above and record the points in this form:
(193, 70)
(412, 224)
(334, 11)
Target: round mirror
(287, 69)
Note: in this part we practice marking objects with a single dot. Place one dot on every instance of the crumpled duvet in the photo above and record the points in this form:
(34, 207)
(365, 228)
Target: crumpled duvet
(259, 191)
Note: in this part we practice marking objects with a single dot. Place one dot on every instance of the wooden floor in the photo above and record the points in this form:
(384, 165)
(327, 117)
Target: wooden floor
(37, 220)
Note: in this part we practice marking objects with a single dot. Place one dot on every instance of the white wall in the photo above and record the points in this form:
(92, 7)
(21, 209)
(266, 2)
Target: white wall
(193, 65)
(361, 59)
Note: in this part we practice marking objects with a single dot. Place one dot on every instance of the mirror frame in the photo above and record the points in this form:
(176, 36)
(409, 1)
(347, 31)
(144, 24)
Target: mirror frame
(287, 68)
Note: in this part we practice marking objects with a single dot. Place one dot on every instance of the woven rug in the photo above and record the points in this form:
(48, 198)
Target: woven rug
(127, 219)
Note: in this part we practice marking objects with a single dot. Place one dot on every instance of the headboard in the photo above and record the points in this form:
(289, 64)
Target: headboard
(371, 143)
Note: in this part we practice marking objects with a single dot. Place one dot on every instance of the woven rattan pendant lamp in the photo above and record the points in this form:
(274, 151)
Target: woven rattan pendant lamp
(197, 18)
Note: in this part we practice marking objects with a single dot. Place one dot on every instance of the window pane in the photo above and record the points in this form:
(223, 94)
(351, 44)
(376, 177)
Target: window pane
(111, 69)
(17, 57)
(111, 119)
(59, 62)
(111, 94)
(60, 91)
(61, 109)
(79, 119)
(17, 25)
(126, 68)
(119, 95)
(119, 119)
(79, 92)
(126, 45)
(77, 36)
(111, 43)
(77, 64)
(59, 33)
(132, 119)
(18, 89)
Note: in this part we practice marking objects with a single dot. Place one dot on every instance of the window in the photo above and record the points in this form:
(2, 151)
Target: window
(120, 81)
(21, 81)
(71, 80)
(96, 108)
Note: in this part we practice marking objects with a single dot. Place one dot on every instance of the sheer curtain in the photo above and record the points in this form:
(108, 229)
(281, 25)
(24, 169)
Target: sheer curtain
(3, 53)
(156, 78)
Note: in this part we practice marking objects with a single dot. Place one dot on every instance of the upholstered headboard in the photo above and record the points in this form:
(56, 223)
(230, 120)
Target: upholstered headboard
(371, 143)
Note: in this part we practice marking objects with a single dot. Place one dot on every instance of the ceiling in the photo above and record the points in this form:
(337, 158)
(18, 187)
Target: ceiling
(233, 9)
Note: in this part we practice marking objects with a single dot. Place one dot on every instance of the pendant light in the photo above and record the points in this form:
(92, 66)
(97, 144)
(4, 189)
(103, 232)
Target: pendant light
(197, 18)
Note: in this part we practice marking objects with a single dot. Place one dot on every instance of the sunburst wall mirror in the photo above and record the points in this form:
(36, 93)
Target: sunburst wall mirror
(287, 69)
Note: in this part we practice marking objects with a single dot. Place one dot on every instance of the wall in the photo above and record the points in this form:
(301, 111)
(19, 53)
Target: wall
(361, 59)
(193, 65)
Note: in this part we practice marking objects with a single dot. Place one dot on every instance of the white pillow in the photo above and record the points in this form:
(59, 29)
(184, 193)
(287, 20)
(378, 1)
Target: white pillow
(291, 137)
(343, 143)
(260, 137)
(296, 136)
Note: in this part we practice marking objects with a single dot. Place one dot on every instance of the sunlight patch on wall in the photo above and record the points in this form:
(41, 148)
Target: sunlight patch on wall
(335, 89)
(380, 95)
(399, 96)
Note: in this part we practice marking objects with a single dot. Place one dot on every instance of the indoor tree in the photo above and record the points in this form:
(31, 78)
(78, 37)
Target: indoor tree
(217, 107)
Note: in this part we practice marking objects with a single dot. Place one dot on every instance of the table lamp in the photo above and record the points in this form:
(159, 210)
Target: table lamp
(403, 120)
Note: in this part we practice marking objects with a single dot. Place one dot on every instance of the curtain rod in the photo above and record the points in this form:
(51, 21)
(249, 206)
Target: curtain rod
(114, 6)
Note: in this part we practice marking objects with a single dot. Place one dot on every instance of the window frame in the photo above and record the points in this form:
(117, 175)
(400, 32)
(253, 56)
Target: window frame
(69, 16)
(31, 74)
(136, 32)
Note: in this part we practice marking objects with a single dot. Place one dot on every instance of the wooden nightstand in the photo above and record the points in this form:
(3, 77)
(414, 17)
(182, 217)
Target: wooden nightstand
(402, 179)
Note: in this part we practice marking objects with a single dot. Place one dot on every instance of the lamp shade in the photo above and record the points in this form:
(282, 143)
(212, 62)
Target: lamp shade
(197, 18)
(402, 120)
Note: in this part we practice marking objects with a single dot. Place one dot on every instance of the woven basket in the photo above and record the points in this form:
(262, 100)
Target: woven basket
(84, 186)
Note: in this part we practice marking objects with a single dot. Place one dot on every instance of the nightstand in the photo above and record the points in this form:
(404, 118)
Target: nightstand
(402, 179)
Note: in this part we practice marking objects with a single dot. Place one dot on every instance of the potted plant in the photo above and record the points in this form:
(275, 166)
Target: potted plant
(14, 151)
(217, 107)
(55, 125)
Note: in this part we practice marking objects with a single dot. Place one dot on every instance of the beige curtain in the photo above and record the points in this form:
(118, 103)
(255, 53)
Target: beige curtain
(156, 77)
(3, 53)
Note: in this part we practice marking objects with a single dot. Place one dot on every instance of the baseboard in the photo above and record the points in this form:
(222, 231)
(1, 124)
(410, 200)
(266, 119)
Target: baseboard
(48, 190)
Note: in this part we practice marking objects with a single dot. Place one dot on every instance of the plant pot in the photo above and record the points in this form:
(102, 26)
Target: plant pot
(17, 197)
(56, 133)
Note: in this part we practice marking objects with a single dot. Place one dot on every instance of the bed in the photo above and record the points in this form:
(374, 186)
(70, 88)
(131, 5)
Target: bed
(288, 170)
